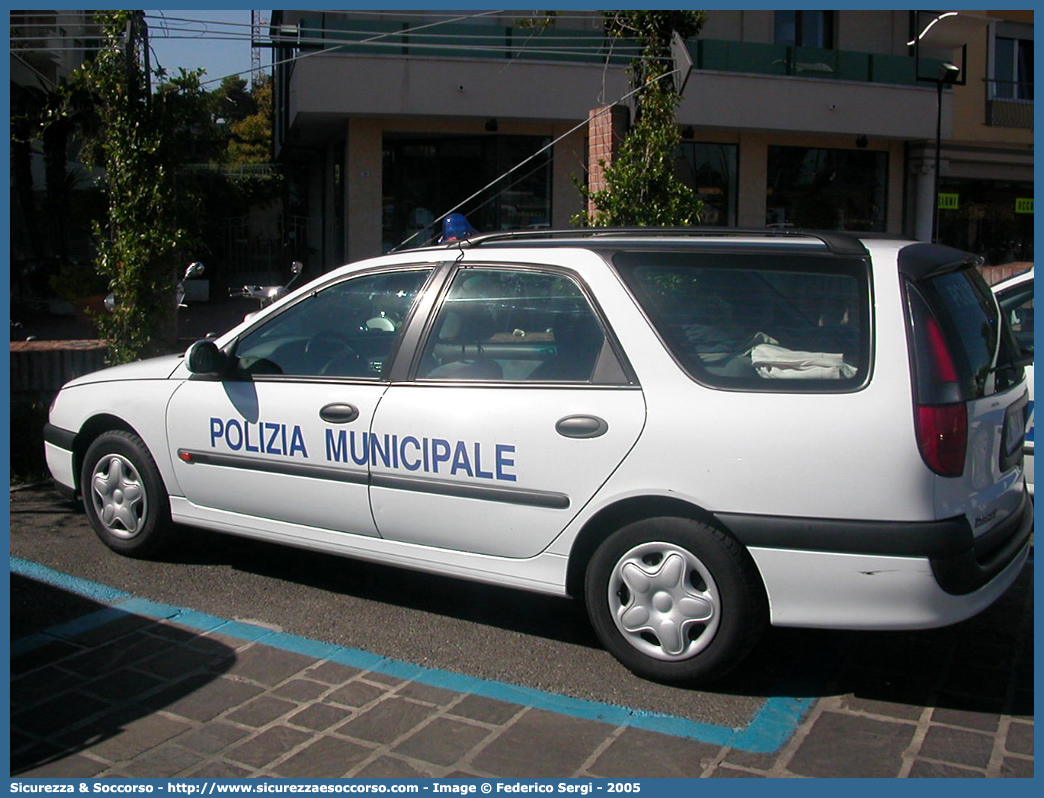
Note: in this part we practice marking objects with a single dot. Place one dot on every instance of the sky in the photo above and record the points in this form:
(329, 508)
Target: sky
(216, 40)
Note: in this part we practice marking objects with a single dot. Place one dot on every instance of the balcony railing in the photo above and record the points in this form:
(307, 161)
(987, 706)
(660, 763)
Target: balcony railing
(372, 37)
(1009, 103)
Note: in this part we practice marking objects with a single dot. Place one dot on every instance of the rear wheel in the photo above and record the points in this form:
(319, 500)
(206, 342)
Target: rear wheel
(675, 600)
(123, 495)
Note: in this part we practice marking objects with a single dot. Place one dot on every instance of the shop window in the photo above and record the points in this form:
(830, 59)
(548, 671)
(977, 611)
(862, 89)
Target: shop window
(827, 189)
(710, 170)
(428, 176)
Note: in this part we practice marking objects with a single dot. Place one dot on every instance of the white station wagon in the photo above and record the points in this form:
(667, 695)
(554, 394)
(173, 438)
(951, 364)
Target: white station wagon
(700, 432)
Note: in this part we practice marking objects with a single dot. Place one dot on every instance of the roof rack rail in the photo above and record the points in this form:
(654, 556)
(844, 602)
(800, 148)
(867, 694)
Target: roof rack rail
(837, 242)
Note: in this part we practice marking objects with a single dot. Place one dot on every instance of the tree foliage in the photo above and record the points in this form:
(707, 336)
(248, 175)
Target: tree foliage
(142, 141)
(641, 188)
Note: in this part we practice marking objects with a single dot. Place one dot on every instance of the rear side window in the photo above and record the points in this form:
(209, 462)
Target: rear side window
(956, 323)
(760, 322)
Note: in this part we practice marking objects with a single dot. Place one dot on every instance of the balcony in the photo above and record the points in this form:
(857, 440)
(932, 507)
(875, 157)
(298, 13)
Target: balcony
(402, 39)
(1009, 104)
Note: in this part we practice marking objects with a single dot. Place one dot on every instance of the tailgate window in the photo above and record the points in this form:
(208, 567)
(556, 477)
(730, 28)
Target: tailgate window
(758, 322)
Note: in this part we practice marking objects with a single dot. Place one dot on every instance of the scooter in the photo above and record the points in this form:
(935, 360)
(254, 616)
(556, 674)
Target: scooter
(267, 294)
(195, 269)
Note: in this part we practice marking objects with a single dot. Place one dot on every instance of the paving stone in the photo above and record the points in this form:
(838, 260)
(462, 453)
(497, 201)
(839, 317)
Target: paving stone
(383, 679)
(937, 770)
(355, 694)
(124, 625)
(219, 770)
(326, 758)
(48, 653)
(211, 738)
(261, 711)
(300, 690)
(122, 685)
(117, 654)
(127, 740)
(1020, 739)
(428, 694)
(852, 745)
(387, 721)
(268, 666)
(332, 673)
(170, 760)
(319, 717)
(732, 773)
(74, 766)
(755, 760)
(390, 767)
(176, 661)
(542, 744)
(486, 710)
(443, 741)
(40, 685)
(1012, 768)
(203, 697)
(958, 746)
(638, 753)
(267, 746)
(62, 712)
(980, 721)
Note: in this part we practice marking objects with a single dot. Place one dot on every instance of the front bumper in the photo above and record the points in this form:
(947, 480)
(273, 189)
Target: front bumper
(59, 445)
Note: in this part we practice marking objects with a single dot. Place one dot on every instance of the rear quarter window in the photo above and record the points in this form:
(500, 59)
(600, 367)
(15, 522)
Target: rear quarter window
(758, 322)
(980, 344)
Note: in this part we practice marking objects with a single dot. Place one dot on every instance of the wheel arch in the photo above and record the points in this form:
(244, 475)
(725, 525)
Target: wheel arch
(92, 428)
(617, 515)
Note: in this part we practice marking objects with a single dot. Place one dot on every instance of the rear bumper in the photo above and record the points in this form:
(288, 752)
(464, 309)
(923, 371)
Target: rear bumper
(848, 575)
(960, 562)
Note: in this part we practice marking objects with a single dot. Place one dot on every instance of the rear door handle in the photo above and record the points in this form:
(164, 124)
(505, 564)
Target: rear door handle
(339, 413)
(581, 427)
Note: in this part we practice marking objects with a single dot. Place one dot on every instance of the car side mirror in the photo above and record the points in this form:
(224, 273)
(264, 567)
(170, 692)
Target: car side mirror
(204, 357)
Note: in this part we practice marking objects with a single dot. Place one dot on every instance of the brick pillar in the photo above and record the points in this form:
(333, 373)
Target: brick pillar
(607, 127)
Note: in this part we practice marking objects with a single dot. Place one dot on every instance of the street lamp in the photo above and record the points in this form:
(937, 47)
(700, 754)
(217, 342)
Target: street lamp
(948, 74)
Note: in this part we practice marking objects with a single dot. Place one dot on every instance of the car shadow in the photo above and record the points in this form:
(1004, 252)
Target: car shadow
(83, 674)
(980, 665)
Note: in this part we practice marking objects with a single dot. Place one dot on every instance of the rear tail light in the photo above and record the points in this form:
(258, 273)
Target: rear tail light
(941, 414)
(942, 435)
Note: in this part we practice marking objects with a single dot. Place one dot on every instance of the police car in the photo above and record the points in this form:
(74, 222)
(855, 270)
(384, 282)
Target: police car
(699, 432)
(1015, 296)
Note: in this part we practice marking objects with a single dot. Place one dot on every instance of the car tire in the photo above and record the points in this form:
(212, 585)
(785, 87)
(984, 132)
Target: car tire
(124, 496)
(675, 600)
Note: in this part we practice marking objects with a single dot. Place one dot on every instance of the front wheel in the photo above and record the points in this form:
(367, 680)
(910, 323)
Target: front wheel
(123, 495)
(675, 600)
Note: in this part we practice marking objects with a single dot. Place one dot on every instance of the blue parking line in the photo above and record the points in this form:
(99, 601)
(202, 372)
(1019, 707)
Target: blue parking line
(767, 732)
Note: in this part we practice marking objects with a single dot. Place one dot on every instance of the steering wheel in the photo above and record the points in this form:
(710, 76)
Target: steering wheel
(327, 347)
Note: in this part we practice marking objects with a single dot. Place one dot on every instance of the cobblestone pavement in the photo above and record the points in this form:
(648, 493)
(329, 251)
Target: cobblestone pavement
(141, 690)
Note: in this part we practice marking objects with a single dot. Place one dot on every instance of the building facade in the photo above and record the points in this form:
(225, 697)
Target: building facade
(388, 121)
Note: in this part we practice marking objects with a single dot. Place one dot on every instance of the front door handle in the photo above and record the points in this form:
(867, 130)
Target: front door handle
(339, 413)
(581, 427)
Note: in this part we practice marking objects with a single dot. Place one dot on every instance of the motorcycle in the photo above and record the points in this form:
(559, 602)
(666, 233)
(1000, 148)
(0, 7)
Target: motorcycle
(267, 294)
(195, 269)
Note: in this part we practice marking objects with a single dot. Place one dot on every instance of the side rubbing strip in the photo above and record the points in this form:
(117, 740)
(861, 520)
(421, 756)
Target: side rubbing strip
(274, 466)
(531, 498)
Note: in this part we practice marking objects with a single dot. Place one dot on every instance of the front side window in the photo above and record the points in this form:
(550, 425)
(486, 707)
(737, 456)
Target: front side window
(775, 322)
(348, 329)
(513, 325)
